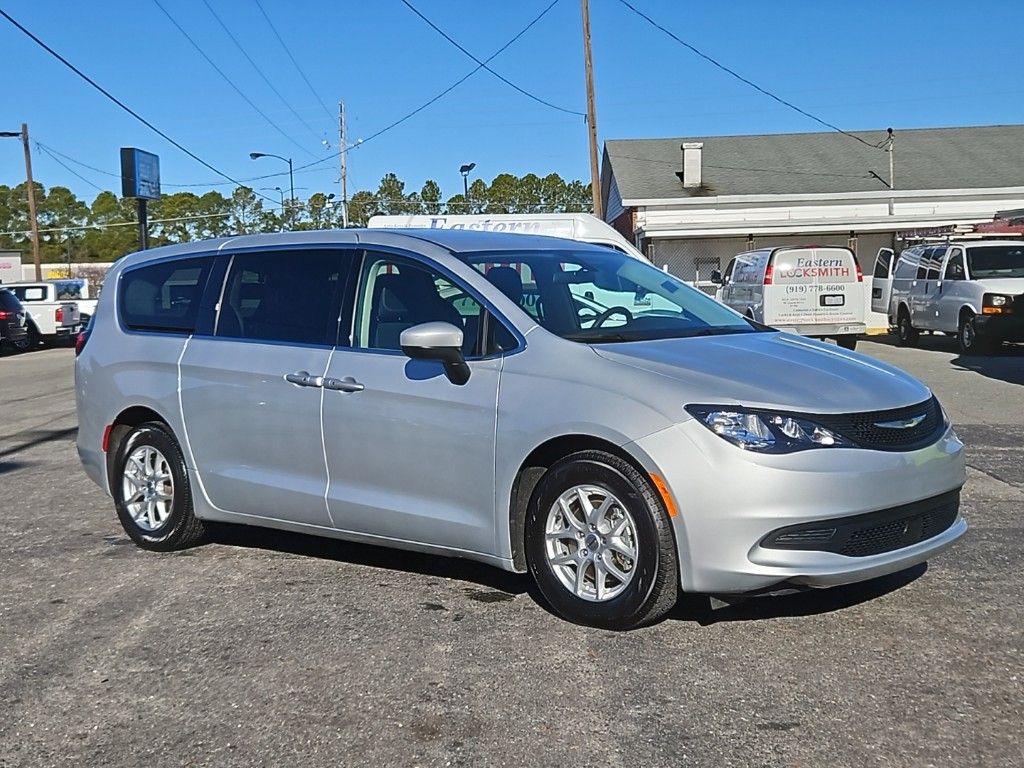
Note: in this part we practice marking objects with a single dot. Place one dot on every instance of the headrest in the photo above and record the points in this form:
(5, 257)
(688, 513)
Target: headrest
(508, 281)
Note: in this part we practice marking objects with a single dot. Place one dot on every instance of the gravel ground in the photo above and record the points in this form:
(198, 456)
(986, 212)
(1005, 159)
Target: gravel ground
(265, 648)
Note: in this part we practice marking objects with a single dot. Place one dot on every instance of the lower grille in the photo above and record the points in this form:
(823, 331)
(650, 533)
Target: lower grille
(873, 533)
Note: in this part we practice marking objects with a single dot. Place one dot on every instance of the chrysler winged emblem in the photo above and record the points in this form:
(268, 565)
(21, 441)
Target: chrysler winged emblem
(910, 423)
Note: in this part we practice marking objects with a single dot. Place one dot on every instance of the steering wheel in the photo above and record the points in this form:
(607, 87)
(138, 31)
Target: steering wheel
(610, 312)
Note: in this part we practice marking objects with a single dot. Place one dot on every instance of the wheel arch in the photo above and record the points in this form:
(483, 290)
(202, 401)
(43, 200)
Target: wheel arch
(532, 469)
(122, 426)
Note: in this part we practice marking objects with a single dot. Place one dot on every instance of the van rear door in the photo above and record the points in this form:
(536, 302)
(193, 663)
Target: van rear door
(814, 286)
(881, 280)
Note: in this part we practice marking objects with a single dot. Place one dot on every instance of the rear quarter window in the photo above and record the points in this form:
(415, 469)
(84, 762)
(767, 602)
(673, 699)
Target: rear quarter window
(164, 296)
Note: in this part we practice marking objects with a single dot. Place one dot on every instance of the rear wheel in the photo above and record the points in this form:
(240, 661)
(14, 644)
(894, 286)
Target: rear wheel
(599, 543)
(152, 493)
(31, 340)
(906, 333)
(848, 341)
(971, 342)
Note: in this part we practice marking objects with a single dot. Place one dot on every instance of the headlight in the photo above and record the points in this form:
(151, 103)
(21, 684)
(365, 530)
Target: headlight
(766, 431)
(996, 304)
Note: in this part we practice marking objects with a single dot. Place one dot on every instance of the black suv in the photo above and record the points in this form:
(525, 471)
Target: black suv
(13, 321)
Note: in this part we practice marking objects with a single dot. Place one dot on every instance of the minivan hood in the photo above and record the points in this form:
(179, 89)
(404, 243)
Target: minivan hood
(1008, 285)
(771, 370)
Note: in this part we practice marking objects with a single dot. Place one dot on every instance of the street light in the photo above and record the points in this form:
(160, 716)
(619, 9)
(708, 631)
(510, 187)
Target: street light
(291, 178)
(278, 190)
(464, 170)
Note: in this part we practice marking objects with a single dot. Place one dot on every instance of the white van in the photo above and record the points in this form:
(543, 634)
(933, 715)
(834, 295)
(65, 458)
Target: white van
(811, 290)
(973, 290)
(582, 227)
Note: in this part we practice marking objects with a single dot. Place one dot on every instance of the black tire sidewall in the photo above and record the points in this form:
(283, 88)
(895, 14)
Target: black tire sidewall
(166, 536)
(628, 608)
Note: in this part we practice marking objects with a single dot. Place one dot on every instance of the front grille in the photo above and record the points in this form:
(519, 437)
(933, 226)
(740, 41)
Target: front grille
(872, 533)
(864, 430)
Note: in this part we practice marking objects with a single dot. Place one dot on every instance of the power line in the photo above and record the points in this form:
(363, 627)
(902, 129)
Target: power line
(394, 124)
(297, 67)
(228, 80)
(259, 71)
(714, 62)
(439, 96)
(68, 168)
(120, 103)
(483, 64)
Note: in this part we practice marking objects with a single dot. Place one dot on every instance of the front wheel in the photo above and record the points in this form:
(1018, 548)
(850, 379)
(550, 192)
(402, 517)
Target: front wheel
(848, 341)
(599, 543)
(971, 342)
(151, 491)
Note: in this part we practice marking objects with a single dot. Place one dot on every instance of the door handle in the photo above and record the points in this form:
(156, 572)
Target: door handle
(304, 379)
(347, 384)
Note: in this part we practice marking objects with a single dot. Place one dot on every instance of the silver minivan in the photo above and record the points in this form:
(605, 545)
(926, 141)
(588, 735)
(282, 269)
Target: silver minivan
(460, 393)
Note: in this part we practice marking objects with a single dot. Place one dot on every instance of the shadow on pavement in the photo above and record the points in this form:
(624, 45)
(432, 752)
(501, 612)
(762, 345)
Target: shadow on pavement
(811, 603)
(1007, 366)
(11, 466)
(38, 437)
(373, 557)
(690, 608)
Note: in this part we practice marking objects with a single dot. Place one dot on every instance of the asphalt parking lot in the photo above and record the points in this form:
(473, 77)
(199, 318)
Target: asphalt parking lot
(265, 648)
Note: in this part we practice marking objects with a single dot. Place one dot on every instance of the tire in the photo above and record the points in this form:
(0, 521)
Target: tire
(158, 523)
(970, 341)
(848, 341)
(906, 334)
(31, 341)
(652, 582)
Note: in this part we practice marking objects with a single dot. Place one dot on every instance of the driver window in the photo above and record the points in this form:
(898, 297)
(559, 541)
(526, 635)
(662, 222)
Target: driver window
(398, 293)
(955, 266)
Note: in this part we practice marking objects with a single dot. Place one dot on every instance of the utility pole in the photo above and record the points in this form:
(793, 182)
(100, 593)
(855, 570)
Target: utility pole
(343, 150)
(892, 173)
(33, 221)
(595, 172)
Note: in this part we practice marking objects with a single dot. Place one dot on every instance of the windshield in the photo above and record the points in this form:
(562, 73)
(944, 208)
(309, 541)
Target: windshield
(987, 261)
(605, 296)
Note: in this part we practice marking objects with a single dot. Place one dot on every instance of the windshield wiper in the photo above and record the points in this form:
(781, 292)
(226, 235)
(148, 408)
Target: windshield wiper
(598, 338)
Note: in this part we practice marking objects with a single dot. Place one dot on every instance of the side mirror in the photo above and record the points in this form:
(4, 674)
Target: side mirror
(716, 277)
(437, 341)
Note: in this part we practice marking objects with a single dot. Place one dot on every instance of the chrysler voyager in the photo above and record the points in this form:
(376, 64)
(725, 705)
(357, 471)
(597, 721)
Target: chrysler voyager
(542, 405)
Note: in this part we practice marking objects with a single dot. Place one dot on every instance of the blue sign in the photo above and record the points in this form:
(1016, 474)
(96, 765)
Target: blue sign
(140, 174)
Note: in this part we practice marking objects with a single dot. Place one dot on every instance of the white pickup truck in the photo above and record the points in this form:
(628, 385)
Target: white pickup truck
(51, 319)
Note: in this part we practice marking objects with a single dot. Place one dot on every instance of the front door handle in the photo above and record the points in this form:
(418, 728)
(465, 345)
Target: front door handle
(347, 384)
(304, 379)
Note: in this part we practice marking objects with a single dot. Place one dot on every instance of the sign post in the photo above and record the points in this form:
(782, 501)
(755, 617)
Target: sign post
(140, 179)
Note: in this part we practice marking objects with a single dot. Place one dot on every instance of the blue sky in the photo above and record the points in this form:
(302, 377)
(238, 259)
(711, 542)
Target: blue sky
(859, 65)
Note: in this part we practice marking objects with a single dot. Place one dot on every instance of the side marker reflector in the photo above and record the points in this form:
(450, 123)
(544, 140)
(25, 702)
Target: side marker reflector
(666, 495)
(106, 436)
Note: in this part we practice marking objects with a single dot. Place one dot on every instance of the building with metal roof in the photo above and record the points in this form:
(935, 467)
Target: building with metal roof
(693, 202)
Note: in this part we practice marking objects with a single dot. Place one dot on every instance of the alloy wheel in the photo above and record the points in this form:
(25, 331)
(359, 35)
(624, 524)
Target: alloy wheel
(148, 488)
(591, 543)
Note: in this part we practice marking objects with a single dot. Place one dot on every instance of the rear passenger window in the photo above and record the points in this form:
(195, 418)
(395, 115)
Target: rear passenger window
(907, 264)
(164, 296)
(288, 296)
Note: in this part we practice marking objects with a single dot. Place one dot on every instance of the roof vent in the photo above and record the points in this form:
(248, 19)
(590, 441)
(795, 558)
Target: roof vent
(690, 175)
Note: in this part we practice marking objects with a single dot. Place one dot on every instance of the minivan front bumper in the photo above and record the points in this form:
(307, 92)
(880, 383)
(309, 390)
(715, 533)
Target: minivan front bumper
(731, 500)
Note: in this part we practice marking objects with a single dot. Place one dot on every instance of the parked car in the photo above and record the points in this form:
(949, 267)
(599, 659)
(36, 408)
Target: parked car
(394, 388)
(51, 319)
(13, 320)
(814, 291)
(971, 289)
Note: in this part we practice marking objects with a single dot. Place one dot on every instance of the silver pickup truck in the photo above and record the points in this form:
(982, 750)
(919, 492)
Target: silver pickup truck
(51, 319)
